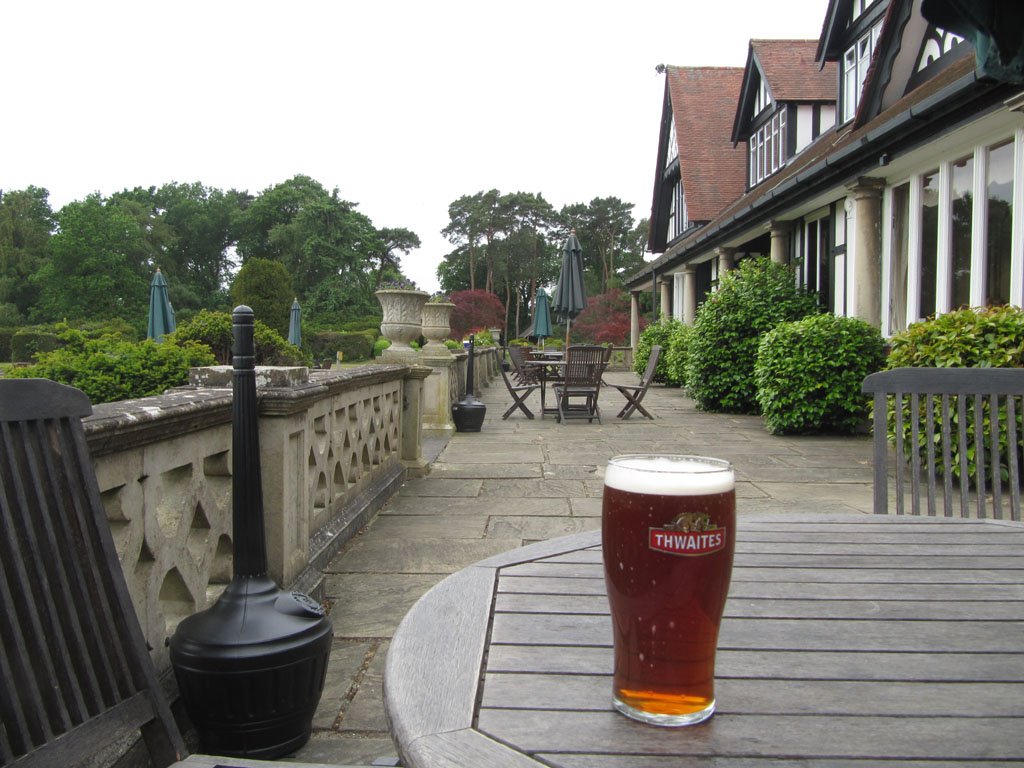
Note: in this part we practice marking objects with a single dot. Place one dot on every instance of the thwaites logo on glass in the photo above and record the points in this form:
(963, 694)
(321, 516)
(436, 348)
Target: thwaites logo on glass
(688, 534)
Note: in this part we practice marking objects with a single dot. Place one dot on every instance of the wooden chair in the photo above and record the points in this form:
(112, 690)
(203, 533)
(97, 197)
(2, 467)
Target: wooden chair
(523, 374)
(76, 679)
(944, 415)
(519, 394)
(634, 393)
(584, 366)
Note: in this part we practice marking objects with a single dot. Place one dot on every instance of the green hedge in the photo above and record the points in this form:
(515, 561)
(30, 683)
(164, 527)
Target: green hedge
(214, 330)
(27, 342)
(748, 302)
(6, 351)
(809, 374)
(656, 333)
(356, 345)
(968, 338)
(108, 369)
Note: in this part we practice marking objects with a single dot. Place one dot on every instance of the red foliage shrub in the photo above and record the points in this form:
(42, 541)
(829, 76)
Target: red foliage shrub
(475, 310)
(605, 320)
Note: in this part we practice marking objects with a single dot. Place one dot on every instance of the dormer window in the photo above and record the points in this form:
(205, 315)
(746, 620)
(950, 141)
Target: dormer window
(856, 61)
(859, 7)
(762, 99)
(768, 148)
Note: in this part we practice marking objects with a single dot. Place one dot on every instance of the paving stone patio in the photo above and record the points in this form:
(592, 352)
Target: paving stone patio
(519, 481)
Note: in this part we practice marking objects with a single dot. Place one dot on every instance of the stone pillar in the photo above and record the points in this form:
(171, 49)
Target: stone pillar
(779, 232)
(666, 296)
(634, 320)
(867, 242)
(437, 403)
(689, 294)
(726, 259)
(412, 422)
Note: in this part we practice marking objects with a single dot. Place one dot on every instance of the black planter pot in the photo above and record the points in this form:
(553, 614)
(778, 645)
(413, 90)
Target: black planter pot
(468, 413)
(251, 668)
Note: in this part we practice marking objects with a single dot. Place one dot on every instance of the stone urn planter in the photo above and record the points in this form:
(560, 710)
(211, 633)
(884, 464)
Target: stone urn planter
(403, 316)
(436, 325)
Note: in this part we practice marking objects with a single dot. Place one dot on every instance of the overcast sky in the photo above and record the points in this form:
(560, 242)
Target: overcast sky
(403, 106)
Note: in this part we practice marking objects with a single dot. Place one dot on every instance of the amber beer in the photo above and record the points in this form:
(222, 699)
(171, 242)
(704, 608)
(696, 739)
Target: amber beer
(668, 534)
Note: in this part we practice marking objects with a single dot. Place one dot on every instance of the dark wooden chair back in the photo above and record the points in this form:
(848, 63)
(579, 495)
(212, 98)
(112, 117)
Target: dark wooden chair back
(524, 374)
(963, 422)
(76, 672)
(584, 365)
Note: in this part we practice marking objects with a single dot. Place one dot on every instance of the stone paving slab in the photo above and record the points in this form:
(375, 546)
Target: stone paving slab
(405, 505)
(419, 555)
(480, 471)
(552, 488)
(539, 528)
(371, 605)
(431, 526)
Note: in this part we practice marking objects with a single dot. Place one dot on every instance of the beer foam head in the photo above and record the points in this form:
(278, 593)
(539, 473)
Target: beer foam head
(669, 475)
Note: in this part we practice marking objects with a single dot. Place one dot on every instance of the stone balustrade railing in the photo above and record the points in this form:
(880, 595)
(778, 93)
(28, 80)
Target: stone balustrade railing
(334, 447)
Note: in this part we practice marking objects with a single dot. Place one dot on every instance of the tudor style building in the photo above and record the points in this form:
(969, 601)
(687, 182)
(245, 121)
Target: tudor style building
(879, 160)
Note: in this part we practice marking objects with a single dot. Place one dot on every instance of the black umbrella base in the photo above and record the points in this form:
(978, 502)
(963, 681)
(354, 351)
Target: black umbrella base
(468, 414)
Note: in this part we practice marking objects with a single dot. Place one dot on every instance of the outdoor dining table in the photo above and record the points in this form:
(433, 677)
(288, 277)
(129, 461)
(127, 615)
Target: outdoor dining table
(848, 640)
(549, 369)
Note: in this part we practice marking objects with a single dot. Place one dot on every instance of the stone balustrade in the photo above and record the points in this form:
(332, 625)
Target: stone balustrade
(333, 450)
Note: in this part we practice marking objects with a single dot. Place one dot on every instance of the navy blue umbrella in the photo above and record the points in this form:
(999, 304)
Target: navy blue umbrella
(570, 294)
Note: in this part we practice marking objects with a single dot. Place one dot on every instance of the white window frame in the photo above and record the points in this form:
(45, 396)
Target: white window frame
(979, 234)
(856, 62)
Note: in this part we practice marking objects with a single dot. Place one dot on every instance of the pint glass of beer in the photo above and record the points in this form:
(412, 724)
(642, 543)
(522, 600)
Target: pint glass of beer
(668, 534)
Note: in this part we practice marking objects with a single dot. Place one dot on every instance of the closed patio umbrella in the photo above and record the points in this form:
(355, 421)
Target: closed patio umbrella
(295, 324)
(542, 317)
(570, 295)
(161, 317)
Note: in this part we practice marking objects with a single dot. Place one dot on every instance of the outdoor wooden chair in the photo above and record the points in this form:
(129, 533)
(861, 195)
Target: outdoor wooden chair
(584, 366)
(962, 418)
(76, 680)
(519, 394)
(634, 393)
(523, 374)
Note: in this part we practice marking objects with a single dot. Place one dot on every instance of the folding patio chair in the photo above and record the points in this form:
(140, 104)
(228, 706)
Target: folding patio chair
(634, 393)
(520, 392)
(584, 366)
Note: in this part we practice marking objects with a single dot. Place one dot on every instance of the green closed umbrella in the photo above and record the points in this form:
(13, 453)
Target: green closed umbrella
(570, 294)
(161, 317)
(542, 316)
(295, 324)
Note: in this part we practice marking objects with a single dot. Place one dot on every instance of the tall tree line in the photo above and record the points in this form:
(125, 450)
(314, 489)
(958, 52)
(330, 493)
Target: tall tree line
(95, 258)
(510, 244)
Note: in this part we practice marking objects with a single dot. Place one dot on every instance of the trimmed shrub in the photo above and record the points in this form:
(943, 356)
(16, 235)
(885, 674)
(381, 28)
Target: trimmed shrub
(266, 286)
(380, 345)
(355, 345)
(809, 373)
(28, 342)
(749, 302)
(990, 337)
(6, 335)
(675, 355)
(655, 333)
(109, 369)
(214, 330)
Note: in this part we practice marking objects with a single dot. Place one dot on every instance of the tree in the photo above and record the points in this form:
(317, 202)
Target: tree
(26, 222)
(89, 275)
(392, 240)
(475, 310)
(265, 286)
(601, 226)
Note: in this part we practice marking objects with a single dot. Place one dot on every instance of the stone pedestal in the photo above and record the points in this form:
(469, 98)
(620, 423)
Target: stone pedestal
(412, 422)
(437, 393)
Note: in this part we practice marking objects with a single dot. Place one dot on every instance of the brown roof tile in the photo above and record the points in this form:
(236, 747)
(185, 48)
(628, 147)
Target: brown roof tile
(712, 170)
(791, 71)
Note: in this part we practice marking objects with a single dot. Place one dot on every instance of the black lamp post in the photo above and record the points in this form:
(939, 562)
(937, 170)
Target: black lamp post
(251, 667)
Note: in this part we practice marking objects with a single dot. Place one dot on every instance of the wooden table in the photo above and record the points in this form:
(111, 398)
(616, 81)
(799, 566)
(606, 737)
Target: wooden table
(849, 641)
(555, 369)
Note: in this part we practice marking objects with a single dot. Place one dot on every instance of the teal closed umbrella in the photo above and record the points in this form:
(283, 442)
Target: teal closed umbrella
(542, 316)
(570, 294)
(161, 317)
(295, 324)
